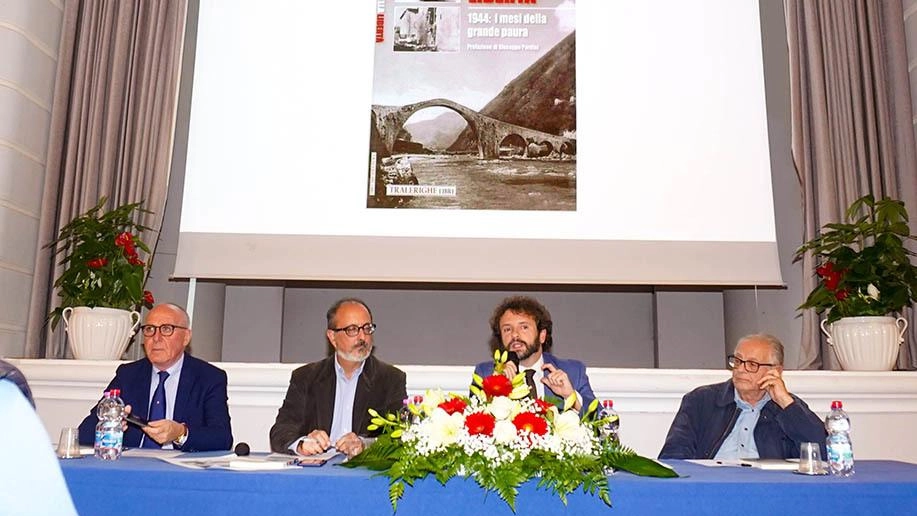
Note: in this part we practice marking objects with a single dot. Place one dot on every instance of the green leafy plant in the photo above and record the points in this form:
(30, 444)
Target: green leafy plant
(102, 263)
(863, 266)
(501, 439)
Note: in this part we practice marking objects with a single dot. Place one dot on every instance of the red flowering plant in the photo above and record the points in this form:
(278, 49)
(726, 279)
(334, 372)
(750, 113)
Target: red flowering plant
(105, 261)
(863, 266)
(500, 437)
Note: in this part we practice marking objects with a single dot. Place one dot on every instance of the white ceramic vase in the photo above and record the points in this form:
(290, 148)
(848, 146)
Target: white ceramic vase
(99, 333)
(866, 343)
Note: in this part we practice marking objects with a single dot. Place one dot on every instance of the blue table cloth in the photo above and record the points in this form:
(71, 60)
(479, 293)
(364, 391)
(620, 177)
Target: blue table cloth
(149, 486)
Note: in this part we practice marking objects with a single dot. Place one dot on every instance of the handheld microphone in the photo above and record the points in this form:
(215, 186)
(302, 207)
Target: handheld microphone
(514, 358)
(242, 449)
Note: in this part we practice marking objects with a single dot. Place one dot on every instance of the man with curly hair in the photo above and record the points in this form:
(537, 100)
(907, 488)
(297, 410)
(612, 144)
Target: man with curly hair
(523, 326)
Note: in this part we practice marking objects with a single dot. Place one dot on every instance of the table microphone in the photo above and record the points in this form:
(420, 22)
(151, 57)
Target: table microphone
(242, 449)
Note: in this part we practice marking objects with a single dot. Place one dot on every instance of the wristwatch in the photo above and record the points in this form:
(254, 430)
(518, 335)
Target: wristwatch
(178, 443)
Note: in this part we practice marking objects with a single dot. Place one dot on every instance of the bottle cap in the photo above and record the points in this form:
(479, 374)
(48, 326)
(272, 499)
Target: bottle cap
(836, 404)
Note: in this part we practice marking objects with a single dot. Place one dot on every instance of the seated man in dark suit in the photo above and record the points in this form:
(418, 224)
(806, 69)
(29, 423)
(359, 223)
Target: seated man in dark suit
(189, 408)
(327, 401)
(523, 326)
(750, 416)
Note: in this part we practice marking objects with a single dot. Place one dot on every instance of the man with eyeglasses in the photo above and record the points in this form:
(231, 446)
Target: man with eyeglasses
(751, 416)
(327, 401)
(183, 398)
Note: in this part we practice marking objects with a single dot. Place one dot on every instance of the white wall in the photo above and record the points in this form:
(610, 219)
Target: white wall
(29, 38)
(882, 406)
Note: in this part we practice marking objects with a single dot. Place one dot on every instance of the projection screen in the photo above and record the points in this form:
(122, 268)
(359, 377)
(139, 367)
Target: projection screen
(605, 142)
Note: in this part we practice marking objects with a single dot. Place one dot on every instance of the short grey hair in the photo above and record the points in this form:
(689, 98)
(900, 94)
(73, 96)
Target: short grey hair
(776, 345)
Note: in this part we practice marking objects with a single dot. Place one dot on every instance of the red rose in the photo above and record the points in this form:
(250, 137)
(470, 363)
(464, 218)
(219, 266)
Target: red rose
(133, 260)
(825, 269)
(148, 297)
(531, 422)
(841, 294)
(453, 405)
(497, 385)
(542, 405)
(480, 423)
(124, 239)
(97, 263)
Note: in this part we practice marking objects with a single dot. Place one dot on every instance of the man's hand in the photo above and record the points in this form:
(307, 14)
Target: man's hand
(510, 370)
(772, 382)
(349, 444)
(164, 431)
(557, 380)
(316, 442)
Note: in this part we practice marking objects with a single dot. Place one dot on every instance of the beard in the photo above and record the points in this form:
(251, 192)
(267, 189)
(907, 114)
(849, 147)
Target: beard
(358, 353)
(529, 348)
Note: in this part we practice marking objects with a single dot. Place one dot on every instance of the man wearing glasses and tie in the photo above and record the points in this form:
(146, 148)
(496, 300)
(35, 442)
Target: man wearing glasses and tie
(182, 398)
(751, 416)
(327, 401)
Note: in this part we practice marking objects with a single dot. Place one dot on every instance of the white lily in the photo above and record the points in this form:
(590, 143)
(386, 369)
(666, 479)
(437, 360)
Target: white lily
(444, 428)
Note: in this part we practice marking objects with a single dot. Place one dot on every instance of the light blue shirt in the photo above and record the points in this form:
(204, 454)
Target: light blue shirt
(344, 392)
(31, 481)
(171, 392)
(740, 443)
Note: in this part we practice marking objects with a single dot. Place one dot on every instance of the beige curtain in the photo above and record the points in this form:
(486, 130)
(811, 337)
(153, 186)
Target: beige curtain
(112, 124)
(851, 125)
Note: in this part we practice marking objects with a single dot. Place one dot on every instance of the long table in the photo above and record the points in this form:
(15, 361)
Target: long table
(150, 486)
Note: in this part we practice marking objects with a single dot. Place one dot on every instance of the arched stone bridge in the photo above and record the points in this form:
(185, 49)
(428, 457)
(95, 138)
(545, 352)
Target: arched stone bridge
(490, 132)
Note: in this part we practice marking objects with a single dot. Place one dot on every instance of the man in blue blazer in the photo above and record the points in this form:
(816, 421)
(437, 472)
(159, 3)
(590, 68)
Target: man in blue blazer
(189, 410)
(523, 326)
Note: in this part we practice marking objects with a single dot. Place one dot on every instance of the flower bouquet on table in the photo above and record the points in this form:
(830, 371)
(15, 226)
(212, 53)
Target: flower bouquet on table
(501, 438)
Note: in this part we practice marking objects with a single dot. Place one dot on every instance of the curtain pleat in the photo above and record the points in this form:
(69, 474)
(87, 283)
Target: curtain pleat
(112, 125)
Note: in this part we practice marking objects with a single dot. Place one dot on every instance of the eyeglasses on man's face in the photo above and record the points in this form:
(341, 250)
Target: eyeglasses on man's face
(750, 365)
(166, 330)
(353, 330)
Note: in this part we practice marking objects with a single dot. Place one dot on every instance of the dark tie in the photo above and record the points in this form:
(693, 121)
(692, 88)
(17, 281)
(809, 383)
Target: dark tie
(530, 381)
(157, 407)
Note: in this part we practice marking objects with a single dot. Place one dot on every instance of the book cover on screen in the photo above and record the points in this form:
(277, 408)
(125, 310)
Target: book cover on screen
(474, 105)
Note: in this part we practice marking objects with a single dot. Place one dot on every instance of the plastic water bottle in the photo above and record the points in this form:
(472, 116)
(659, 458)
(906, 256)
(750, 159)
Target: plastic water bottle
(611, 423)
(838, 443)
(404, 415)
(101, 413)
(109, 433)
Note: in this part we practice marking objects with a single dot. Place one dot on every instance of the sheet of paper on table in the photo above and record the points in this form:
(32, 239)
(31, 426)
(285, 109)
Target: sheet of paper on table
(770, 464)
(151, 453)
(272, 462)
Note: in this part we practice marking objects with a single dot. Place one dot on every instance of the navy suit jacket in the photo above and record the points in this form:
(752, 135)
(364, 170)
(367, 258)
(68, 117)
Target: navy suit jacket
(708, 414)
(575, 370)
(200, 403)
